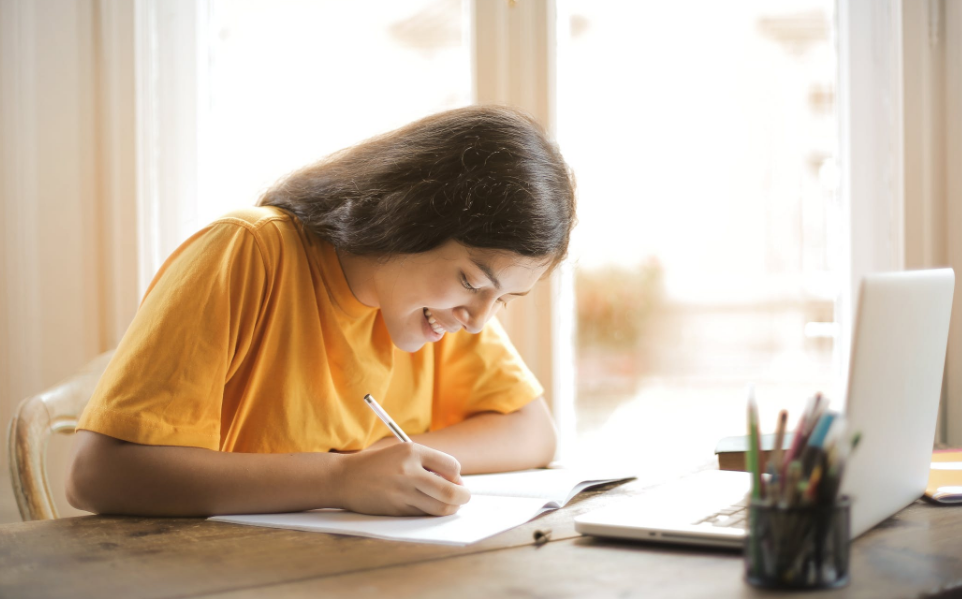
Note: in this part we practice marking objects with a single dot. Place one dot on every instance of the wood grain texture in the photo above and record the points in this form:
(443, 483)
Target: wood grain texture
(917, 553)
(152, 558)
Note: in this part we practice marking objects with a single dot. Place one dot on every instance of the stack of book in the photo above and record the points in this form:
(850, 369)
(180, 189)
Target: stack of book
(731, 451)
(945, 477)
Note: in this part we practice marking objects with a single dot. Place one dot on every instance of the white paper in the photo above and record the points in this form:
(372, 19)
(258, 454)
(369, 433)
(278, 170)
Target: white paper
(482, 517)
(557, 486)
(498, 503)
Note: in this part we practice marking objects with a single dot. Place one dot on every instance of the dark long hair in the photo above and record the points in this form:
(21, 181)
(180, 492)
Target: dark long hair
(485, 176)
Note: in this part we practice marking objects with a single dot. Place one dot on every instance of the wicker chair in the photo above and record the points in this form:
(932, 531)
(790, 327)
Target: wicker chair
(56, 410)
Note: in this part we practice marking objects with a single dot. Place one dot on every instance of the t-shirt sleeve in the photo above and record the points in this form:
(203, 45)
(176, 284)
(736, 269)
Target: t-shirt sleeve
(480, 373)
(165, 383)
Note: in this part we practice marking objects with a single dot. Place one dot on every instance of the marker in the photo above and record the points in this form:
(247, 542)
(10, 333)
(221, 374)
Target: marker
(814, 451)
(836, 432)
(798, 439)
(817, 438)
(387, 420)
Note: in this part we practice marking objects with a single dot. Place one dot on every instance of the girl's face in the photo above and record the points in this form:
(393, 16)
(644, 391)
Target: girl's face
(424, 296)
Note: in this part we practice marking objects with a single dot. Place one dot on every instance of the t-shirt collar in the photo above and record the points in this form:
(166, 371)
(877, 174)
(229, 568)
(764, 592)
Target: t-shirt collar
(337, 284)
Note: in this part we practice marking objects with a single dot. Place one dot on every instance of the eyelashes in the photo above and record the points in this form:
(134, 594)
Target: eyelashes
(466, 285)
(472, 289)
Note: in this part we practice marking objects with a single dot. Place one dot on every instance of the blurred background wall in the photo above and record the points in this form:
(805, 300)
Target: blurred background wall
(69, 250)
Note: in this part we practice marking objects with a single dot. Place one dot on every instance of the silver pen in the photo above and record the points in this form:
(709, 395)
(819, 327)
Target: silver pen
(387, 420)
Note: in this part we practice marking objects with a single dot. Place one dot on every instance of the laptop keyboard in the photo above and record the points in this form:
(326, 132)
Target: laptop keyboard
(732, 516)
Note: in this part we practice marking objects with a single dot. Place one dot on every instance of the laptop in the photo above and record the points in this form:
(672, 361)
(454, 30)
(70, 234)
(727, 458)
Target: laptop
(894, 386)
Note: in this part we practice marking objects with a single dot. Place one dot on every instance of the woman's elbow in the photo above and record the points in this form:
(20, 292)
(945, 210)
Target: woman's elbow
(547, 433)
(76, 490)
(82, 484)
(549, 445)
(80, 487)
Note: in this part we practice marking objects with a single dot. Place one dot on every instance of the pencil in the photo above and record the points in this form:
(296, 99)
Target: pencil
(753, 446)
(754, 540)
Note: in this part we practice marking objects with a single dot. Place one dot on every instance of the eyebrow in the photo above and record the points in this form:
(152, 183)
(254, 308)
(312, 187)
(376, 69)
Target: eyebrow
(490, 274)
(487, 272)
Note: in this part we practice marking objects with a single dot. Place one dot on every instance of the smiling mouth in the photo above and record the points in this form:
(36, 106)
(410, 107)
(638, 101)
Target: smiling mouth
(433, 323)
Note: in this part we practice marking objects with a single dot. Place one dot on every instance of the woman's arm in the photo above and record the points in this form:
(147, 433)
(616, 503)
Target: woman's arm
(110, 476)
(494, 442)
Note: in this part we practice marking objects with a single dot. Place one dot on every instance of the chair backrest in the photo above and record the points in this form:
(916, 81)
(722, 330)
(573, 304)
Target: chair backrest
(36, 418)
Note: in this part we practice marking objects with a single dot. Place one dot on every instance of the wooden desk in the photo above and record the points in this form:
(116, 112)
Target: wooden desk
(918, 552)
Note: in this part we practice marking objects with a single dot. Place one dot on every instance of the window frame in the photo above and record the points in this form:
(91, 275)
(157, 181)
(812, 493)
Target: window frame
(899, 65)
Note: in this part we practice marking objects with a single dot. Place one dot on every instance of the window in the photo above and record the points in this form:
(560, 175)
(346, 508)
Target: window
(703, 138)
(291, 81)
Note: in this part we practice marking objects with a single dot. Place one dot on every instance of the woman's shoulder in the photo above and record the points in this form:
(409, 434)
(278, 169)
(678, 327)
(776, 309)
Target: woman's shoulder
(271, 228)
(253, 218)
(271, 232)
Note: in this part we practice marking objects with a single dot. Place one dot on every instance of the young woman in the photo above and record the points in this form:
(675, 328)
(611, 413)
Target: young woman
(239, 386)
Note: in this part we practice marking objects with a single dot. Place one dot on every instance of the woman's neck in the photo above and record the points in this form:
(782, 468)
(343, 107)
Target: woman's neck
(359, 271)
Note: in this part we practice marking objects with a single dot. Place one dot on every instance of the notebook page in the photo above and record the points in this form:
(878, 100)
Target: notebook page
(556, 486)
(478, 519)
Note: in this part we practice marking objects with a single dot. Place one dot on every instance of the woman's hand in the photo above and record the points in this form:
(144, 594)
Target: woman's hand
(404, 479)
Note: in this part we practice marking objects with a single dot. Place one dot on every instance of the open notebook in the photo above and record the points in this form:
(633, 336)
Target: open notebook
(498, 502)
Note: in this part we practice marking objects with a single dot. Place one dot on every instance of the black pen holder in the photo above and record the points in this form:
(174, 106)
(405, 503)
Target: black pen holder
(799, 547)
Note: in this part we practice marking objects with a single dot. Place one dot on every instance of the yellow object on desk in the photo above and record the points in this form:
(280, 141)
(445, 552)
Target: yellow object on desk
(945, 477)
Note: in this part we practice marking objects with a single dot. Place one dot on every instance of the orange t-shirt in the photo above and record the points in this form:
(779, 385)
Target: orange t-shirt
(250, 340)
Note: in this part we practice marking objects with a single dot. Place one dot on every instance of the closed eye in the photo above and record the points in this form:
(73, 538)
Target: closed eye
(473, 289)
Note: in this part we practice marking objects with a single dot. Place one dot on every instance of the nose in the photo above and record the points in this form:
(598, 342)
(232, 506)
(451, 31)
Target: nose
(474, 317)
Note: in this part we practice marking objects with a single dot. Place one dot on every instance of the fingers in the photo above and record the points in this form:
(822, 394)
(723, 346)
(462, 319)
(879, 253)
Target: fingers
(440, 463)
(440, 482)
(405, 479)
(441, 490)
(429, 506)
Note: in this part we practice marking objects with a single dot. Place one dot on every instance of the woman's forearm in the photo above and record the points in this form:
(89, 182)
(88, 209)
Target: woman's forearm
(109, 476)
(493, 442)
